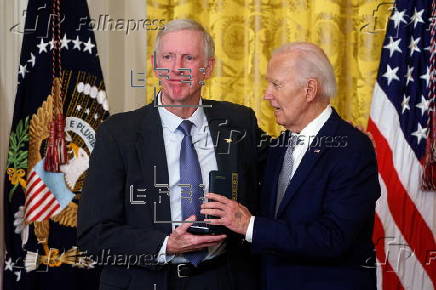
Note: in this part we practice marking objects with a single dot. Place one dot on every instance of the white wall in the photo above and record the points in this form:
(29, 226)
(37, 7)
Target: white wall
(119, 54)
(11, 14)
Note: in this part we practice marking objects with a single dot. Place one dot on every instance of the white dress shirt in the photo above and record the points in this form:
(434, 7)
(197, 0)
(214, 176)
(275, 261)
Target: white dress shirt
(204, 146)
(305, 138)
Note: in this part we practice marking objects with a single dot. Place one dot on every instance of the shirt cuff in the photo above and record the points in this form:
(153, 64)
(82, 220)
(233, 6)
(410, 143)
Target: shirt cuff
(162, 257)
(249, 233)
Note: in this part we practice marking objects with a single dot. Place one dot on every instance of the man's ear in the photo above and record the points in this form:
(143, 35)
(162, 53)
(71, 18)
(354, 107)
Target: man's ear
(312, 88)
(209, 68)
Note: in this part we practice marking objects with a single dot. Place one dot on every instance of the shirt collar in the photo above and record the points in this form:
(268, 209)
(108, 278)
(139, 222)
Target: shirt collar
(316, 124)
(172, 121)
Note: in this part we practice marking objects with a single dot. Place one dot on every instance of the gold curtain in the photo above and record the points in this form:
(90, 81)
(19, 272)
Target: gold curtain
(246, 31)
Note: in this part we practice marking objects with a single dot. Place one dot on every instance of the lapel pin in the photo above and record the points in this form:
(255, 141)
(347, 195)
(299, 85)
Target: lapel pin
(316, 151)
(228, 140)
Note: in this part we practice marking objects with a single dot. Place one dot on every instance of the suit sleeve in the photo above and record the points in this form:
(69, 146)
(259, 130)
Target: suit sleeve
(101, 224)
(262, 141)
(348, 208)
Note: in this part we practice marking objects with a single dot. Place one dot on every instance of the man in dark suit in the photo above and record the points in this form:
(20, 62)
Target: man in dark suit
(149, 168)
(320, 188)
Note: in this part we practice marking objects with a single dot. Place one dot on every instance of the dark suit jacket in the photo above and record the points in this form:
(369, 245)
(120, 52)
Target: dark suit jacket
(130, 155)
(321, 237)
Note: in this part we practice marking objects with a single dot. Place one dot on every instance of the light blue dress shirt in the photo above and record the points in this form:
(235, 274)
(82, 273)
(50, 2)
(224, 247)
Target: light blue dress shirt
(204, 146)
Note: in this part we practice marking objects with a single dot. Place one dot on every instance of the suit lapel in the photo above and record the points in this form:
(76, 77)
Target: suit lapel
(151, 151)
(223, 137)
(309, 160)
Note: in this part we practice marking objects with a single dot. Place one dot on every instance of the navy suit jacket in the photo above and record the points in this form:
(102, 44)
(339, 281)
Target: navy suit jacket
(321, 236)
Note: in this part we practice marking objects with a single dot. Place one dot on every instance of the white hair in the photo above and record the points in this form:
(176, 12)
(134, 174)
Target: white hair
(188, 24)
(313, 63)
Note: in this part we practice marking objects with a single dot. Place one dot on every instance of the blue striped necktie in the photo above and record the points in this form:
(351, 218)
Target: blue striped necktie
(190, 180)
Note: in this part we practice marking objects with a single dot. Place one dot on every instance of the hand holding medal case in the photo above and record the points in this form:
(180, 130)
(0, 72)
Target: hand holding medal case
(219, 183)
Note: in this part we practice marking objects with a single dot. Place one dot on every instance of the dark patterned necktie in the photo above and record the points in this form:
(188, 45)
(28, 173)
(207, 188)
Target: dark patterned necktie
(190, 180)
(285, 173)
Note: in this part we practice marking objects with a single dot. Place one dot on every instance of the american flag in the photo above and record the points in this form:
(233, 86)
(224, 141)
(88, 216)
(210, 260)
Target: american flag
(40, 206)
(404, 233)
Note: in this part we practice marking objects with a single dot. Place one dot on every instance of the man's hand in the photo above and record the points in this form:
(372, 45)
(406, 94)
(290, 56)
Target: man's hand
(180, 241)
(232, 214)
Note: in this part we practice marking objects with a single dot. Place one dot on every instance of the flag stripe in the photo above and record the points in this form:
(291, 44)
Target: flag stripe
(55, 210)
(36, 206)
(40, 209)
(31, 195)
(32, 178)
(400, 255)
(48, 205)
(46, 212)
(403, 210)
(37, 197)
(390, 280)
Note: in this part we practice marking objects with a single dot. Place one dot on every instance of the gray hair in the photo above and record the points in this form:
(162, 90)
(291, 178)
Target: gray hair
(313, 63)
(188, 24)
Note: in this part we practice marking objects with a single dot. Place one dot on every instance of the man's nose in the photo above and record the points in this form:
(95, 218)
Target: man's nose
(268, 95)
(177, 64)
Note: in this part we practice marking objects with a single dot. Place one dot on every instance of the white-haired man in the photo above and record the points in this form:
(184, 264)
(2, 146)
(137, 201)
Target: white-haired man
(319, 192)
(144, 161)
